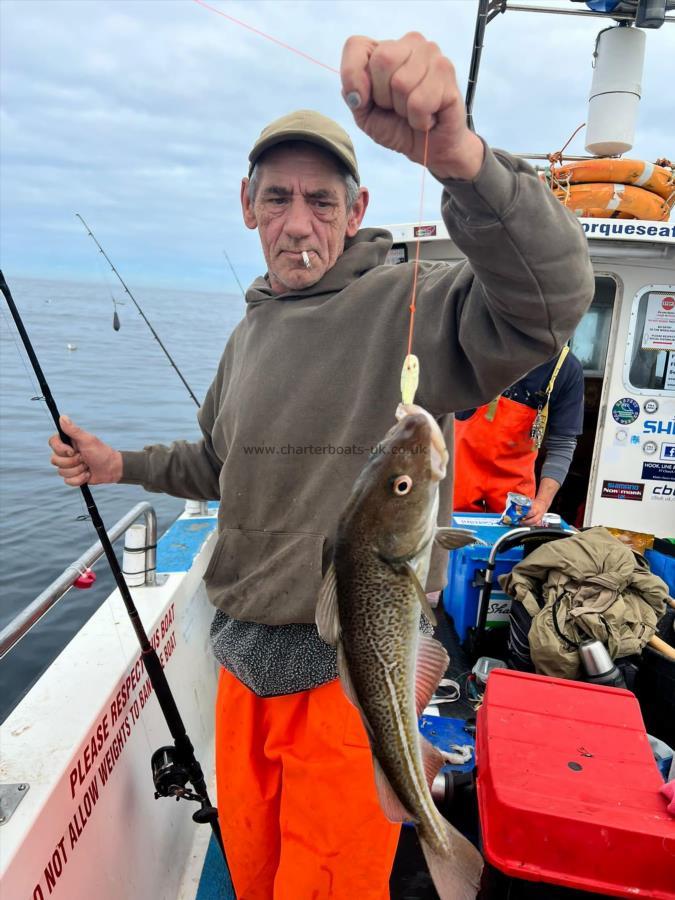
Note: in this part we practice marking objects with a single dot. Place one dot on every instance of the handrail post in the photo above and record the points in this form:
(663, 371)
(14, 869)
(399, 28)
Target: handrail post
(150, 517)
(12, 633)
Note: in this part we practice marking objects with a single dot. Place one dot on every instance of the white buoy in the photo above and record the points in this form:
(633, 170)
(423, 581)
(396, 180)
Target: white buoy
(615, 91)
(133, 561)
(71, 346)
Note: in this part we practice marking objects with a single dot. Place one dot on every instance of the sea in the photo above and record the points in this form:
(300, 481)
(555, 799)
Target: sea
(118, 385)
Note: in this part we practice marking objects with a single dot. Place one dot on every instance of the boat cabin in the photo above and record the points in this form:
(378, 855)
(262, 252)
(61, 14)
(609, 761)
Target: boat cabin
(623, 472)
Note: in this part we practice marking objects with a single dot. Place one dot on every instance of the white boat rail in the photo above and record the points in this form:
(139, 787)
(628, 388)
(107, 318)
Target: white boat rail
(21, 624)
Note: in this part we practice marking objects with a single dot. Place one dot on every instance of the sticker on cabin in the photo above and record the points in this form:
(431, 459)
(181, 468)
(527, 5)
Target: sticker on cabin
(422, 231)
(622, 490)
(658, 426)
(649, 448)
(658, 471)
(659, 330)
(669, 383)
(650, 406)
(663, 492)
(625, 411)
(621, 437)
(668, 452)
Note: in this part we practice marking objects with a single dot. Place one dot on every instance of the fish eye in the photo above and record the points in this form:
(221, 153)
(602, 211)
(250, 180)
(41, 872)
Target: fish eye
(402, 485)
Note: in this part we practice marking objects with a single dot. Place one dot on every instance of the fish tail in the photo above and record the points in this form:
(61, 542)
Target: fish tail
(456, 871)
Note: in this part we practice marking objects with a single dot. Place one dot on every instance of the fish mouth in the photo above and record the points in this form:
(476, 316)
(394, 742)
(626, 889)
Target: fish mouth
(438, 455)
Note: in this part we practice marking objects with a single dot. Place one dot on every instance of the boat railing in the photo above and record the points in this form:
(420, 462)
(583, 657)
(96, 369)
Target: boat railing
(19, 626)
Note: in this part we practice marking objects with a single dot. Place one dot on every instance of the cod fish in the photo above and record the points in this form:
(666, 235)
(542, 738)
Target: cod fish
(369, 608)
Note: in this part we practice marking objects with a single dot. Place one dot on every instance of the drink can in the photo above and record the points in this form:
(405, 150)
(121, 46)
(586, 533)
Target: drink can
(549, 519)
(517, 507)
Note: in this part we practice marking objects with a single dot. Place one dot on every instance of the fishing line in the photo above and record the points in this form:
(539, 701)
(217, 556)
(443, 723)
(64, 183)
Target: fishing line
(107, 285)
(410, 371)
(229, 262)
(173, 767)
(413, 306)
(268, 37)
(137, 305)
(37, 396)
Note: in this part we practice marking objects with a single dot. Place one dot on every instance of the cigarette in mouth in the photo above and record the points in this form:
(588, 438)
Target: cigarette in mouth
(305, 259)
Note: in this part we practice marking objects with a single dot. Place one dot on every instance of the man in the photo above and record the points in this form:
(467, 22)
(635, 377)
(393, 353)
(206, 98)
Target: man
(496, 445)
(316, 364)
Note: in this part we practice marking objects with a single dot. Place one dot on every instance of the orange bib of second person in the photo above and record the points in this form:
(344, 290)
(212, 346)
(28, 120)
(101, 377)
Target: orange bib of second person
(494, 454)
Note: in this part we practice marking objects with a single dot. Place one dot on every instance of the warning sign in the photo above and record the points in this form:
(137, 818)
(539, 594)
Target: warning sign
(659, 330)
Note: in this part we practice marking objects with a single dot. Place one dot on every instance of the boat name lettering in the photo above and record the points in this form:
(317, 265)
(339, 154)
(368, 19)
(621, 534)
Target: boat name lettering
(606, 229)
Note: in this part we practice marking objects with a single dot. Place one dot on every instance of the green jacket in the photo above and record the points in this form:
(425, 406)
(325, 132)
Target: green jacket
(586, 586)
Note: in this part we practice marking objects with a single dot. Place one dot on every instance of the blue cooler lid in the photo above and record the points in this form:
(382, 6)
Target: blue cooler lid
(487, 528)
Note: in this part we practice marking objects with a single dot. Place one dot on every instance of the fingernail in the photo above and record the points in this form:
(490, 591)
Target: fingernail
(353, 99)
(66, 419)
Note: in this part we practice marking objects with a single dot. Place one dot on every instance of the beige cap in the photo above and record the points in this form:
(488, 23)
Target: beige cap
(307, 125)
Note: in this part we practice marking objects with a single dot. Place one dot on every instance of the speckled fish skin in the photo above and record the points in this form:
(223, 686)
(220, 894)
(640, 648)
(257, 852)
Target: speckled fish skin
(379, 610)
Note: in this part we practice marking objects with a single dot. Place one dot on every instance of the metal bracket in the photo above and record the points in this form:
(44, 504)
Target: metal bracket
(11, 796)
(479, 580)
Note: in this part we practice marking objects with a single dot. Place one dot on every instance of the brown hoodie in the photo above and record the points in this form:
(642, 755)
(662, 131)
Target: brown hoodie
(309, 380)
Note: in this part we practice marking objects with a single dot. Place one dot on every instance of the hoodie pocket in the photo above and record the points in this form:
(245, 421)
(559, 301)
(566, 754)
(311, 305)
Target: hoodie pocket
(271, 577)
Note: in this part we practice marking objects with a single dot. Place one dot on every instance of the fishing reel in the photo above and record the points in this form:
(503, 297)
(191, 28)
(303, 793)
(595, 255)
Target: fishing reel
(170, 776)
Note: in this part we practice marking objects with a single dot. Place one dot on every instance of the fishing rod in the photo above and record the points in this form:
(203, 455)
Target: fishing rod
(143, 316)
(172, 767)
(229, 262)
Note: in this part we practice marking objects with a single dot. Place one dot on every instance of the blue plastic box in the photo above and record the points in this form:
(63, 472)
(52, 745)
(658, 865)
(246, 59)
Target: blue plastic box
(663, 566)
(460, 596)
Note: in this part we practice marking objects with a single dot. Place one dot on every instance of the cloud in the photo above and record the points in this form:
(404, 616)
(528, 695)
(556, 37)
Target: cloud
(140, 115)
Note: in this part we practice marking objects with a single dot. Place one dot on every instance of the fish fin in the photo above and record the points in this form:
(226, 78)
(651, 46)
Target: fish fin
(453, 538)
(432, 661)
(456, 875)
(327, 620)
(392, 807)
(421, 596)
(433, 760)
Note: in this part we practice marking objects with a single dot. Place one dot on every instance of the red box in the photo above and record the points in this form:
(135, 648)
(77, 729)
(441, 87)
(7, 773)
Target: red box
(568, 790)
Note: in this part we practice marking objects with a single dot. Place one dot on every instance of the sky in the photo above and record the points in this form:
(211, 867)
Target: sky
(139, 115)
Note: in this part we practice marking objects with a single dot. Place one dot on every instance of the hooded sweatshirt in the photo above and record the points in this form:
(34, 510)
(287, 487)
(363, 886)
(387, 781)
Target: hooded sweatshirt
(309, 380)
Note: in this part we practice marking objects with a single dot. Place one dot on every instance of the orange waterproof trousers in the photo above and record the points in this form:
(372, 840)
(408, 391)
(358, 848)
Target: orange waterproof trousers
(297, 803)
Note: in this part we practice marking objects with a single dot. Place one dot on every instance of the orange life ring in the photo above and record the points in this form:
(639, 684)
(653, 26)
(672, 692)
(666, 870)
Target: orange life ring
(613, 201)
(638, 173)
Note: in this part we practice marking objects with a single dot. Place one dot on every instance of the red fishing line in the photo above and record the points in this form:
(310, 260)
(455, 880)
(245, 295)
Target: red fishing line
(268, 37)
(413, 307)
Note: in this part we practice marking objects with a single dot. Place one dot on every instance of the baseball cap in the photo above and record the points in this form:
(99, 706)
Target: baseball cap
(307, 125)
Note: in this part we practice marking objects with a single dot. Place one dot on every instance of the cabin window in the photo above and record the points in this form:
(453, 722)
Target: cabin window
(590, 341)
(650, 363)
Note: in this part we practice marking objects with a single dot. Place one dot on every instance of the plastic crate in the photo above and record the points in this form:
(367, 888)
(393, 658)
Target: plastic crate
(460, 596)
(568, 792)
(662, 565)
